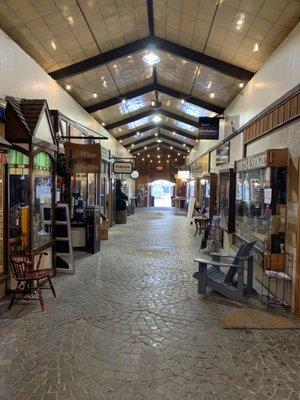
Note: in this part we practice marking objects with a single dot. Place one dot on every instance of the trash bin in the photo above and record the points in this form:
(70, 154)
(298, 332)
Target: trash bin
(121, 217)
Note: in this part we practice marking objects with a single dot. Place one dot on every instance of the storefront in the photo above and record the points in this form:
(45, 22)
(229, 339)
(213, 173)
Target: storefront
(261, 184)
(31, 175)
(4, 147)
(80, 181)
(205, 185)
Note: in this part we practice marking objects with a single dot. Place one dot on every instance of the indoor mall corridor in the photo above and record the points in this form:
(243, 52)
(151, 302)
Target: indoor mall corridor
(129, 324)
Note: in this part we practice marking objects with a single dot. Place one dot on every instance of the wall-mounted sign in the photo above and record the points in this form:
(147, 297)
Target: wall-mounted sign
(209, 128)
(134, 174)
(222, 154)
(252, 162)
(122, 167)
(83, 158)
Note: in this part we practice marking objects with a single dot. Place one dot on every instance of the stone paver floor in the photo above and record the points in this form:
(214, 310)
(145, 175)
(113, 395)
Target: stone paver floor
(131, 325)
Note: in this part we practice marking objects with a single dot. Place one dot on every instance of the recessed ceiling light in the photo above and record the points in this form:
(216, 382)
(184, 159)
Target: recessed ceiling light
(182, 101)
(68, 87)
(158, 148)
(175, 159)
(151, 58)
(138, 154)
(156, 134)
(145, 147)
(95, 95)
(120, 129)
(152, 103)
(53, 45)
(256, 47)
(103, 123)
(158, 161)
(184, 145)
(168, 155)
(143, 159)
(132, 145)
(158, 140)
(197, 140)
(178, 154)
(212, 95)
(71, 20)
(148, 155)
(174, 133)
(167, 160)
(241, 85)
(137, 134)
(120, 140)
(156, 118)
(183, 156)
(150, 160)
(123, 101)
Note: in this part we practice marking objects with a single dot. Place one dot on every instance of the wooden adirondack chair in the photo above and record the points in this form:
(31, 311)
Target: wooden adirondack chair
(23, 271)
(210, 273)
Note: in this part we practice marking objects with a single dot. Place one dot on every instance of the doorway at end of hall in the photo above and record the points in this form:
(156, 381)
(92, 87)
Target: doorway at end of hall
(161, 193)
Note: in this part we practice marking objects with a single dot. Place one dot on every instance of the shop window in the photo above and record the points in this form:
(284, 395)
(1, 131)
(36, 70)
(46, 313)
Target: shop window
(2, 177)
(42, 200)
(19, 189)
(83, 188)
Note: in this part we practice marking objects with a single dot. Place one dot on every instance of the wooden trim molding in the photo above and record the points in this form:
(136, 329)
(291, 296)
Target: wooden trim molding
(283, 113)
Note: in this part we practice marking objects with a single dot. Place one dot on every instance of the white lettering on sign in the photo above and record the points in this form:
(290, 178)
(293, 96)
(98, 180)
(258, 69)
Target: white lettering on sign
(252, 162)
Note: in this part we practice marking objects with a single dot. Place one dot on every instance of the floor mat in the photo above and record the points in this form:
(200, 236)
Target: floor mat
(249, 318)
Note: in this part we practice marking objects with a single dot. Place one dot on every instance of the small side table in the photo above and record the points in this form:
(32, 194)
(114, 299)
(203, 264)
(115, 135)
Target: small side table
(201, 224)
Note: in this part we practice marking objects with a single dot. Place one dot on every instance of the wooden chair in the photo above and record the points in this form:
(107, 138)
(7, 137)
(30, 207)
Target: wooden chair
(23, 270)
(225, 283)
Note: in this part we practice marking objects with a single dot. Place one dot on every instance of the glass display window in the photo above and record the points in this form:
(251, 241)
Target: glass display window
(2, 188)
(19, 192)
(42, 199)
(259, 192)
(84, 193)
(226, 200)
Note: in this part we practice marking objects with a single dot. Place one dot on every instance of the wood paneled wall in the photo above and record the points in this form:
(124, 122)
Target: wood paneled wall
(281, 114)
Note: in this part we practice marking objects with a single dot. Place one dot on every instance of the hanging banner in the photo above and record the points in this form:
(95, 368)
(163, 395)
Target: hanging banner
(84, 158)
(209, 128)
(122, 167)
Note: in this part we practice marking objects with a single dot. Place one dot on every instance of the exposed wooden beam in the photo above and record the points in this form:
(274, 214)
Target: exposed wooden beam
(118, 100)
(150, 17)
(100, 59)
(158, 88)
(149, 113)
(172, 141)
(162, 44)
(189, 99)
(132, 134)
(203, 59)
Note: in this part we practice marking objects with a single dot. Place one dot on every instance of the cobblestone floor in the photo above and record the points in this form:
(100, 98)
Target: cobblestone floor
(130, 325)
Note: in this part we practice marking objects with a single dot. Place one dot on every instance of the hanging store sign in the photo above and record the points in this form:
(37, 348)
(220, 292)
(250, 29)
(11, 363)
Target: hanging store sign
(209, 128)
(252, 162)
(122, 167)
(83, 158)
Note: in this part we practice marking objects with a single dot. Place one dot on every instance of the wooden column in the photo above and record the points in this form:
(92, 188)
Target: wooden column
(297, 267)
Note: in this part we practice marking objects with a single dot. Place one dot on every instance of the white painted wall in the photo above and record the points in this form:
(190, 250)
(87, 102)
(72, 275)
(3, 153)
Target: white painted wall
(277, 76)
(21, 76)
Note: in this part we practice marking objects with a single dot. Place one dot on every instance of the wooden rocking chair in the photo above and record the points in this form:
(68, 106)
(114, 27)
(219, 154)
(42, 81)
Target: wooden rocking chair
(225, 283)
(23, 270)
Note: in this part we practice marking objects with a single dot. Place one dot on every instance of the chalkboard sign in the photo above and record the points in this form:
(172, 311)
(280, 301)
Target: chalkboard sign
(63, 244)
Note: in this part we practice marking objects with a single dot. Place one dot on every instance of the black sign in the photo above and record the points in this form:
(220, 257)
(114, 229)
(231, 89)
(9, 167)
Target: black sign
(209, 128)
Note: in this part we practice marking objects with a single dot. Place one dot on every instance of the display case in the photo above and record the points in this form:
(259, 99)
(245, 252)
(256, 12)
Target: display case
(226, 199)
(84, 193)
(261, 203)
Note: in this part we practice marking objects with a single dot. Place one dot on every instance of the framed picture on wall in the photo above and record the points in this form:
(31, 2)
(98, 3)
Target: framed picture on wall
(223, 154)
